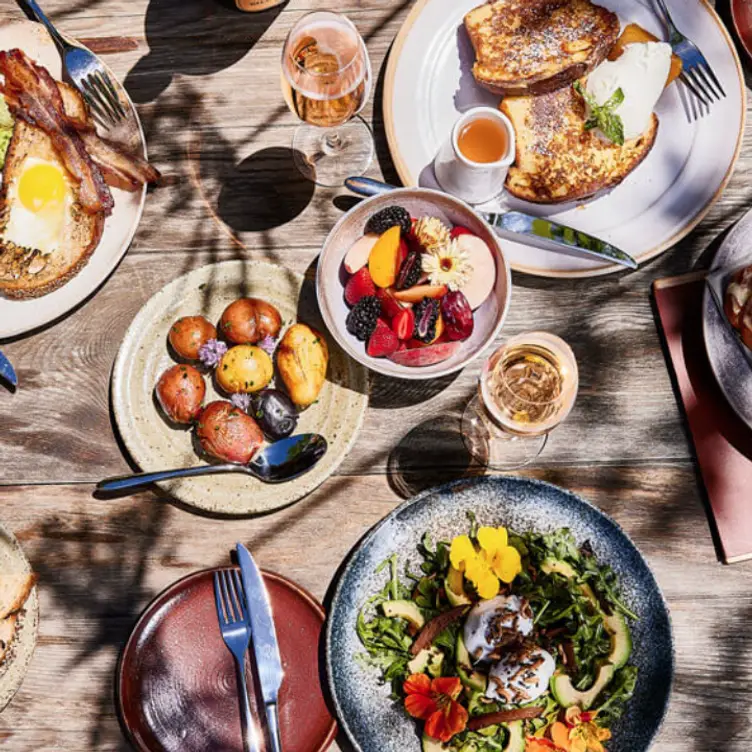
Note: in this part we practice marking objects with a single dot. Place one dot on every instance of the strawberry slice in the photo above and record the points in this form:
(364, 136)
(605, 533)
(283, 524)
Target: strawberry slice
(459, 230)
(403, 324)
(358, 286)
(389, 304)
(383, 341)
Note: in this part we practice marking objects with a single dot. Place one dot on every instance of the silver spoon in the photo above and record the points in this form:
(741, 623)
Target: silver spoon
(281, 461)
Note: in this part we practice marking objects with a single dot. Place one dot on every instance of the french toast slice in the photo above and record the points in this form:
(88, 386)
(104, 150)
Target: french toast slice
(8, 628)
(525, 47)
(557, 159)
(14, 591)
(24, 271)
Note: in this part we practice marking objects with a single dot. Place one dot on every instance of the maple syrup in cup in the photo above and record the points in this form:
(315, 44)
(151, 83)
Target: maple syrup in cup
(527, 388)
(474, 161)
(326, 82)
(483, 140)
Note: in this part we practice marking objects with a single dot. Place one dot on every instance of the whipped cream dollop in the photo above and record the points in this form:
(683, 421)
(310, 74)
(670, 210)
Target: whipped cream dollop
(641, 73)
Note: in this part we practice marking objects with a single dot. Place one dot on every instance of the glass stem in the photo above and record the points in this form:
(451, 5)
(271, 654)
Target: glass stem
(333, 141)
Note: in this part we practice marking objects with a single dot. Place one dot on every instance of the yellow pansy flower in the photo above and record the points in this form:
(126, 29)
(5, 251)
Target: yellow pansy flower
(587, 737)
(494, 560)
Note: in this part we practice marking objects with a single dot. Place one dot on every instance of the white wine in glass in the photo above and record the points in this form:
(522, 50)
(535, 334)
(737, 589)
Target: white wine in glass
(527, 388)
(326, 82)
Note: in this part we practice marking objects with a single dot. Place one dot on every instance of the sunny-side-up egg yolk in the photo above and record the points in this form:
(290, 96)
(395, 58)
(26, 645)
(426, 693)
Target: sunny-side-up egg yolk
(521, 676)
(37, 205)
(494, 623)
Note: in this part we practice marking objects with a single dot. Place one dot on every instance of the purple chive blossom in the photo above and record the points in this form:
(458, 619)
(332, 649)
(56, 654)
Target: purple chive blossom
(241, 401)
(211, 352)
(268, 345)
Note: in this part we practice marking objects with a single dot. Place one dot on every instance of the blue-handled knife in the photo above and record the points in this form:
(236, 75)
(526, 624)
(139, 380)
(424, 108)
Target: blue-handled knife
(553, 236)
(264, 638)
(7, 372)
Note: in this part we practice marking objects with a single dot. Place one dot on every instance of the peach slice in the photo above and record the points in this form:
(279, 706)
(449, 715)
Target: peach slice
(357, 257)
(635, 34)
(483, 278)
(383, 261)
(416, 294)
(425, 356)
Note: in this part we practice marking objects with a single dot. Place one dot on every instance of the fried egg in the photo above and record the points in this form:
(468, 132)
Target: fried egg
(521, 676)
(38, 203)
(494, 623)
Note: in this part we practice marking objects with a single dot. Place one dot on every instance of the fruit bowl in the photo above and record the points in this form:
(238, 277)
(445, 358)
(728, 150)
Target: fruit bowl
(332, 277)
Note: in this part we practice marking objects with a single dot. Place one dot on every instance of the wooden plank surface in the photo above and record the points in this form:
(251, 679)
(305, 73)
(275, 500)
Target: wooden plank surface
(206, 81)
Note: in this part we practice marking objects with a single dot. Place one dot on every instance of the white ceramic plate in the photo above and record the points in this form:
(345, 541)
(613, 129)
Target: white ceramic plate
(429, 83)
(730, 366)
(14, 667)
(19, 316)
(154, 445)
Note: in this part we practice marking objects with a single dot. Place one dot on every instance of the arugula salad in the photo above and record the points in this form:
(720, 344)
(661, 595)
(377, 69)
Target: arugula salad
(503, 642)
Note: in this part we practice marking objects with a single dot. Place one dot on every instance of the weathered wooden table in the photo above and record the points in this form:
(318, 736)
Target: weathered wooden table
(206, 79)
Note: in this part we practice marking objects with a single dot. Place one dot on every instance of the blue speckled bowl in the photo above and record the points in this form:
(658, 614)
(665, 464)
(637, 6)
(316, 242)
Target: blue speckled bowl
(372, 721)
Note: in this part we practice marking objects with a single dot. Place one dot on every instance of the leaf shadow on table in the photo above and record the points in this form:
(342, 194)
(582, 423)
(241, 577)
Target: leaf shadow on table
(96, 579)
(196, 38)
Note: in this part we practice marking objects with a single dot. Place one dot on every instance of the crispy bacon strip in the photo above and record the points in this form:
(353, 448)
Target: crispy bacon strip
(33, 96)
(503, 716)
(435, 627)
(121, 170)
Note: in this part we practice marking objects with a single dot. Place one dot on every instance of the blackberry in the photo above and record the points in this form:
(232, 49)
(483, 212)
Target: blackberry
(426, 316)
(410, 271)
(380, 222)
(361, 321)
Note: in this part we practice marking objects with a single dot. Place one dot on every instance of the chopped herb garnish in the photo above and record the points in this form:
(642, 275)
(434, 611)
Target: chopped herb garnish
(604, 116)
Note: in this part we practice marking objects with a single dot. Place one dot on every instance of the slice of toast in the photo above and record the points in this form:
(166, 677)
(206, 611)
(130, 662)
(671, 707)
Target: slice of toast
(14, 592)
(25, 272)
(557, 159)
(525, 47)
(7, 633)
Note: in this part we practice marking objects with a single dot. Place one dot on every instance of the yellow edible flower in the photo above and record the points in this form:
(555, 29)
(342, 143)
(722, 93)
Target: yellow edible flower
(587, 737)
(494, 561)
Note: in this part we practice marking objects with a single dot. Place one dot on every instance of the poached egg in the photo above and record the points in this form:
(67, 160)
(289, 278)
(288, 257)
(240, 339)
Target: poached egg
(641, 73)
(492, 624)
(521, 676)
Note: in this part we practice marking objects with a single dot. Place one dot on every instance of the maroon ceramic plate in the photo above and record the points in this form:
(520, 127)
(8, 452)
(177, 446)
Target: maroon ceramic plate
(741, 12)
(176, 679)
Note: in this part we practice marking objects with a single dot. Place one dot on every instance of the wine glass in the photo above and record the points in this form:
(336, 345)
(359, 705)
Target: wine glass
(326, 81)
(527, 388)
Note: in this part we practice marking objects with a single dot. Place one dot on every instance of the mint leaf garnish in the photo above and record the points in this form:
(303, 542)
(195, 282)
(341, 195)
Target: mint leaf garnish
(604, 116)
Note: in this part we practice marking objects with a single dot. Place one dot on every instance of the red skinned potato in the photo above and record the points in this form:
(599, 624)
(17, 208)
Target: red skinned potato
(248, 320)
(227, 433)
(180, 392)
(189, 333)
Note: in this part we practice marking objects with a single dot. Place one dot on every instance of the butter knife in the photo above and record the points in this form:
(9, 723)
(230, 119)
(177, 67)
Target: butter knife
(264, 638)
(556, 237)
(7, 372)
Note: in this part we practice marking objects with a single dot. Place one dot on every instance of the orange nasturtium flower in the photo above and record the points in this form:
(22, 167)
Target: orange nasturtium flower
(435, 702)
(494, 561)
(580, 733)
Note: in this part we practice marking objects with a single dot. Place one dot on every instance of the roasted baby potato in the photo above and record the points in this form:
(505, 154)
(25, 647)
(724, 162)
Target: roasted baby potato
(189, 333)
(302, 360)
(249, 320)
(227, 433)
(244, 368)
(180, 392)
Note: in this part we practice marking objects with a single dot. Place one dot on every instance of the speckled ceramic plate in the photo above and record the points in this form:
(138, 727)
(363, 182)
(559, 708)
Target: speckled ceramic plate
(372, 721)
(14, 667)
(143, 356)
(19, 316)
(730, 366)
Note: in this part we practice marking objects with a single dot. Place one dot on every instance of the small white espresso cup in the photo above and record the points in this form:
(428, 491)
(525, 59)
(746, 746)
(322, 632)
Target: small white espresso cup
(474, 182)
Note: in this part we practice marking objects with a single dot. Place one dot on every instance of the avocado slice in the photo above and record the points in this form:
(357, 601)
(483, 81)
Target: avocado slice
(567, 696)
(473, 680)
(557, 566)
(428, 660)
(621, 639)
(455, 588)
(404, 610)
(515, 742)
(432, 745)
